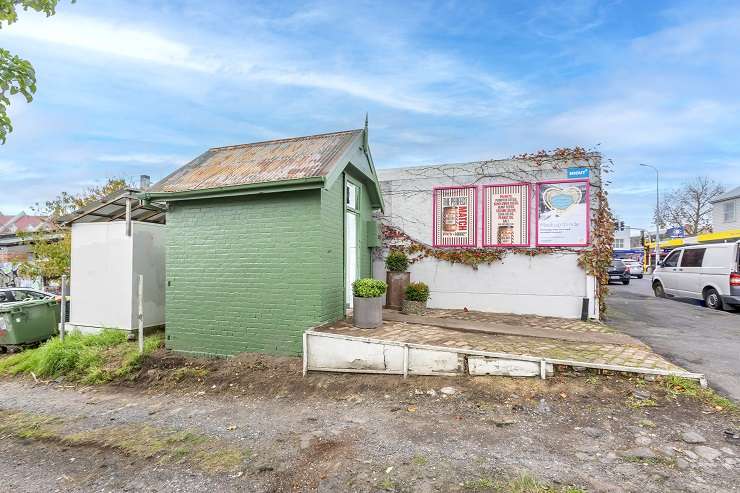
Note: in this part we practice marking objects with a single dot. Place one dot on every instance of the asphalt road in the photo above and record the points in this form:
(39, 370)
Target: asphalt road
(696, 338)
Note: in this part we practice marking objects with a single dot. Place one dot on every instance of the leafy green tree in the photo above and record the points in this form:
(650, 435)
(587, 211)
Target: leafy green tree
(66, 202)
(17, 75)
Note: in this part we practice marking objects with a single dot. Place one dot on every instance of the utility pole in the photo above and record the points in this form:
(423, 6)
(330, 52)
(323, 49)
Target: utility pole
(657, 213)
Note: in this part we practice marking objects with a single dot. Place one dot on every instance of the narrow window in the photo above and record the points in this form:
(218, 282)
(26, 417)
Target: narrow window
(729, 210)
(351, 194)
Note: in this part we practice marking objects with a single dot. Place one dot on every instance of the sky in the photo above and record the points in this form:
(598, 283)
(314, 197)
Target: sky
(141, 87)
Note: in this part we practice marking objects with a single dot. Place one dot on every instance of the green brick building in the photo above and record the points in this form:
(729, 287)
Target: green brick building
(264, 240)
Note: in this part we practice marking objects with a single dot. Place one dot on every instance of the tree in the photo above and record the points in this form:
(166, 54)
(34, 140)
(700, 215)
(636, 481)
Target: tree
(17, 75)
(690, 205)
(51, 249)
(66, 202)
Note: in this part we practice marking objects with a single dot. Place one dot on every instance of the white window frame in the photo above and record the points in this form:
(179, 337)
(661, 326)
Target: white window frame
(618, 242)
(729, 212)
(353, 196)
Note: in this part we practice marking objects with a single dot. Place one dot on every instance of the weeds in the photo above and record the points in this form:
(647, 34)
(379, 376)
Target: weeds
(524, 483)
(634, 403)
(653, 461)
(419, 460)
(680, 386)
(84, 358)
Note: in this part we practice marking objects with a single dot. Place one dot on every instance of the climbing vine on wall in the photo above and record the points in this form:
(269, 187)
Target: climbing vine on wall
(395, 239)
(594, 259)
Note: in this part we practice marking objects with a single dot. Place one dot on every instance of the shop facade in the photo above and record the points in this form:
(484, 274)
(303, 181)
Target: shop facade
(500, 236)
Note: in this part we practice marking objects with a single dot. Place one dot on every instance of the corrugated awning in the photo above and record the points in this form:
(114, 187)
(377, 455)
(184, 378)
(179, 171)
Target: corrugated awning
(113, 208)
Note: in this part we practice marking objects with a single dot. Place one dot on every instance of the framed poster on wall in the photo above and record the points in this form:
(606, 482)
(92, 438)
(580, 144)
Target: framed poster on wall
(455, 216)
(506, 215)
(563, 216)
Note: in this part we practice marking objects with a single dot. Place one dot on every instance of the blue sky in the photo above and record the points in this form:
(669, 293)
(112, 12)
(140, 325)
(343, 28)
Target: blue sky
(136, 87)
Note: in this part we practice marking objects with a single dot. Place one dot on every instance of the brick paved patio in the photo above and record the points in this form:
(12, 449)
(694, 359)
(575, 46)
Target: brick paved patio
(522, 320)
(637, 356)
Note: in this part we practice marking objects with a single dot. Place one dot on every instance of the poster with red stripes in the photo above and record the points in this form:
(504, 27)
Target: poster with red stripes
(455, 217)
(506, 215)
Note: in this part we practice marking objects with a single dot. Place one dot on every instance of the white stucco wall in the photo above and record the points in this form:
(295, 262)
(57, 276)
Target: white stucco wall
(105, 264)
(548, 285)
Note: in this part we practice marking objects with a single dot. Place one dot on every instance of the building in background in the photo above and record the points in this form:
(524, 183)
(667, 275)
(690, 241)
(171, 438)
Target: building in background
(536, 217)
(14, 249)
(726, 211)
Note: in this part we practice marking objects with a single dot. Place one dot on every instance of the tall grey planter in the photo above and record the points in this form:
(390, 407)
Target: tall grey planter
(397, 284)
(367, 313)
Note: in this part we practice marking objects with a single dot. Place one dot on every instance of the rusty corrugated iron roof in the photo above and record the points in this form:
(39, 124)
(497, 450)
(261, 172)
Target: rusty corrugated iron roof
(260, 162)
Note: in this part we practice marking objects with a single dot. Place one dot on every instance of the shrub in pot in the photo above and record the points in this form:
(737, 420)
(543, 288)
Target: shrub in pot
(417, 294)
(367, 312)
(397, 278)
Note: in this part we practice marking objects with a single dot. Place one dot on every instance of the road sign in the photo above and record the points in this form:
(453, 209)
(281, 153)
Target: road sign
(675, 232)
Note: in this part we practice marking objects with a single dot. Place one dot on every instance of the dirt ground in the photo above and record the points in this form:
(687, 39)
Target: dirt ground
(253, 423)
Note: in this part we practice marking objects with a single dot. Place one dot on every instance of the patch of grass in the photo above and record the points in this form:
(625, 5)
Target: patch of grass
(138, 441)
(680, 386)
(419, 460)
(84, 358)
(188, 373)
(387, 484)
(653, 461)
(480, 484)
(634, 403)
(32, 426)
(523, 483)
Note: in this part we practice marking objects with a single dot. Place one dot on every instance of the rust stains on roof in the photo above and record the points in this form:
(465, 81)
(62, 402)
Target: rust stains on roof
(260, 162)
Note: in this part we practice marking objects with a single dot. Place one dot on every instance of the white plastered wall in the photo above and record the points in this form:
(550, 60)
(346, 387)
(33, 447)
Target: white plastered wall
(548, 285)
(103, 280)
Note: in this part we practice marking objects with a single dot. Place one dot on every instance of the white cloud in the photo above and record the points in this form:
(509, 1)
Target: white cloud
(643, 122)
(109, 38)
(421, 83)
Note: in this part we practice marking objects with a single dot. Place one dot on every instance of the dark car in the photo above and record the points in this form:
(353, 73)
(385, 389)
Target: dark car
(618, 271)
(11, 295)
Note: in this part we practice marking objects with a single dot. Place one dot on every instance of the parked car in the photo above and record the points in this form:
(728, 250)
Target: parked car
(703, 272)
(12, 295)
(618, 272)
(634, 267)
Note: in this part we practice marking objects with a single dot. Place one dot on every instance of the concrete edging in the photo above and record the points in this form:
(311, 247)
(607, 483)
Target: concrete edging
(403, 369)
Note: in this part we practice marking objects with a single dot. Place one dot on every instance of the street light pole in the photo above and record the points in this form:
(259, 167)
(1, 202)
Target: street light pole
(657, 213)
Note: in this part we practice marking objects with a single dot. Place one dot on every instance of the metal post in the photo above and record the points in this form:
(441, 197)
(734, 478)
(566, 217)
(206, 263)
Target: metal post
(141, 314)
(128, 217)
(63, 309)
(657, 213)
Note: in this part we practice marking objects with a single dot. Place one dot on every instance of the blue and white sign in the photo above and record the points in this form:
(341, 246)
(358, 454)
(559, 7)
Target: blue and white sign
(675, 232)
(577, 173)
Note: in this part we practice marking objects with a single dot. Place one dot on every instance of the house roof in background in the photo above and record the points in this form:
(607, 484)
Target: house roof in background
(21, 222)
(281, 160)
(728, 195)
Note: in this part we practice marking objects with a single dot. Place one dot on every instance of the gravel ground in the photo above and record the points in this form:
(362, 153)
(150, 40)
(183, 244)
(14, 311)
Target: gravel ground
(374, 433)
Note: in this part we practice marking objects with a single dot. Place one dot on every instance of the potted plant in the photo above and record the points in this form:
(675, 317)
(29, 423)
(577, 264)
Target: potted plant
(397, 278)
(415, 303)
(368, 303)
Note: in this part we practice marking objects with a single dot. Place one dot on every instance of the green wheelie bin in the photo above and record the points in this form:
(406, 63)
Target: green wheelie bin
(25, 323)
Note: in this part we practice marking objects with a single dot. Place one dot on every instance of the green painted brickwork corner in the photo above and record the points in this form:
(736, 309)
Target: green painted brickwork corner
(252, 273)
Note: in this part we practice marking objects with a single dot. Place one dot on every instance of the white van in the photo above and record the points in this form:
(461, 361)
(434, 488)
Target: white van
(703, 272)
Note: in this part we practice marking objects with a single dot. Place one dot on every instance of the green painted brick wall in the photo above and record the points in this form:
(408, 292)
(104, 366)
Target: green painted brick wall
(252, 273)
(332, 235)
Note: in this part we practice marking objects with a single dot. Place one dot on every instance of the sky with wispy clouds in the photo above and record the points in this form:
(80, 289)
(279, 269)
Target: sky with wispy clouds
(141, 87)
